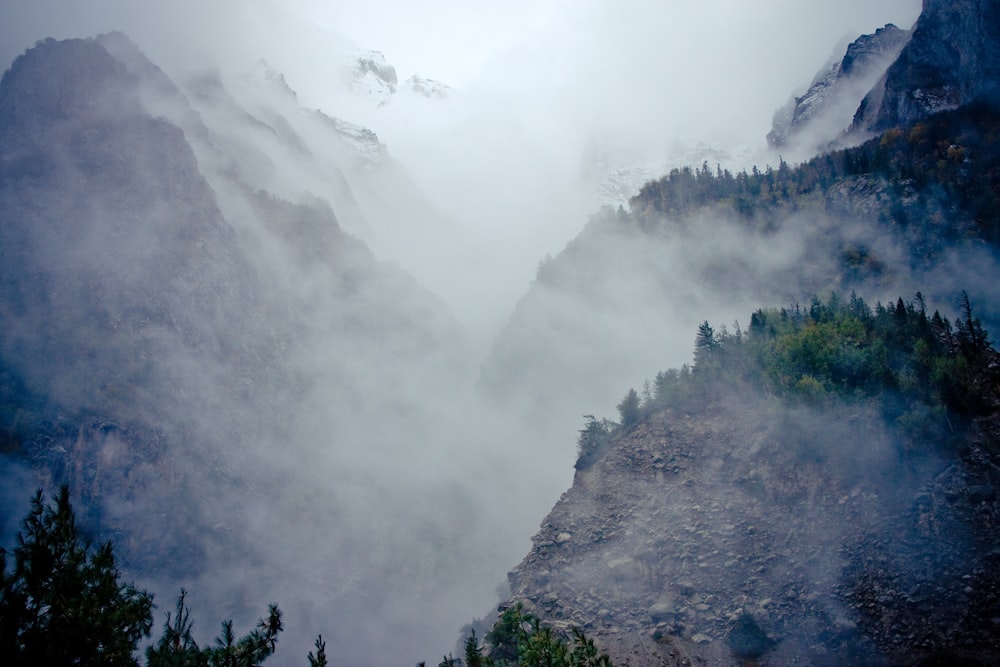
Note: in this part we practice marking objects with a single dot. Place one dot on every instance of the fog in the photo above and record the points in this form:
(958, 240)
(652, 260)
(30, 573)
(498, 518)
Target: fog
(536, 84)
(328, 437)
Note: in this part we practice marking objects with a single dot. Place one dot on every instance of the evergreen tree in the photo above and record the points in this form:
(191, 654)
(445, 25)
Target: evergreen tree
(319, 660)
(64, 602)
(705, 343)
(473, 656)
(176, 647)
(250, 650)
(628, 409)
(591, 441)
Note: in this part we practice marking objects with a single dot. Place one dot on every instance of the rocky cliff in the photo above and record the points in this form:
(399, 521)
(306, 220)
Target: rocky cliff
(743, 528)
(825, 110)
(952, 59)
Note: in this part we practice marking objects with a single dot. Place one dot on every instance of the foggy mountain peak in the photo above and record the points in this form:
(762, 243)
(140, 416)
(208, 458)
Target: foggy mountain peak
(371, 81)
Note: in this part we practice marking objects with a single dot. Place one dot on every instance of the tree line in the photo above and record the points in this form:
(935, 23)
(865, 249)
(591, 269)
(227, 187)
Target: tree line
(929, 377)
(950, 160)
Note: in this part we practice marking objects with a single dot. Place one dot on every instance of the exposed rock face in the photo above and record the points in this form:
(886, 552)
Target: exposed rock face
(826, 108)
(952, 59)
(748, 529)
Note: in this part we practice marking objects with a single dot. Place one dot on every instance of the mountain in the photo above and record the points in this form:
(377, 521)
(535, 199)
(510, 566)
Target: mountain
(318, 154)
(893, 215)
(219, 371)
(201, 336)
(367, 76)
(952, 59)
(819, 519)
(772, 506)
(429, 88)
(814, 119)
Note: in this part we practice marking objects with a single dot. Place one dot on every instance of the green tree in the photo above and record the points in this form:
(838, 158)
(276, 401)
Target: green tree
(591, 442)
(318, 660)
(585, 653)
(64, 602)
(251, 649)
(519, 640)
(629, 410)
(705, 343)
(473, 656)
(176, 647)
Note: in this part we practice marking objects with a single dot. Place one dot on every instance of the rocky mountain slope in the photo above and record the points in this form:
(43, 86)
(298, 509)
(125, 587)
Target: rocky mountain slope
(743, 526)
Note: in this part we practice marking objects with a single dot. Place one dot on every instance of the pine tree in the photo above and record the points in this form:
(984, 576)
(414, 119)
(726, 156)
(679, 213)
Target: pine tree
(628, 409)
(176, 647)
(705, 343)
(64, 603)
(318, 660)
(473, 656)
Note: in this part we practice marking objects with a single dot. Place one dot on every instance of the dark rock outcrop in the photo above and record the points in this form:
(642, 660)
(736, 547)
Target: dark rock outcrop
(952, 59)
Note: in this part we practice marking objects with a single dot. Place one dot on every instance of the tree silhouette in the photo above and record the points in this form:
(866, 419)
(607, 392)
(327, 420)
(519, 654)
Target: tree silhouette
(64, 602)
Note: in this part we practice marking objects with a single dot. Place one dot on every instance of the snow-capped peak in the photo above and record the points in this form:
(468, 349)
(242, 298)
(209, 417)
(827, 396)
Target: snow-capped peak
(369, 74)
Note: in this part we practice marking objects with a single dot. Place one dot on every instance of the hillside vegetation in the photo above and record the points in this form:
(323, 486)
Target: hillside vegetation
(927, 376)
(948, 163)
